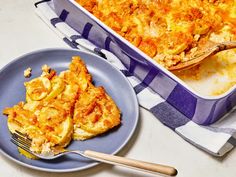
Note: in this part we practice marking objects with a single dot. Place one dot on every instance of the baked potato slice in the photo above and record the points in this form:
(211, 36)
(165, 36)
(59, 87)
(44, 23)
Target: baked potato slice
(95, 112)
(58, 86)
(41, 131)
(38, 88)
(80, 134)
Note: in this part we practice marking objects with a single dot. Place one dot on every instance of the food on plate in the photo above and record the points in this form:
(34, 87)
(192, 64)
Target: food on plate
(61, 107)
(94, 113)
(27, 72)
(169, 31)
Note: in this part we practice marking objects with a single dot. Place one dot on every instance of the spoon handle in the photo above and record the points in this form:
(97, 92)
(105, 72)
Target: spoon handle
(227, 45)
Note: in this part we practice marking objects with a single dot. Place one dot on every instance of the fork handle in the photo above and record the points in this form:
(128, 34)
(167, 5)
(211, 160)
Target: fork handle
(131, 163)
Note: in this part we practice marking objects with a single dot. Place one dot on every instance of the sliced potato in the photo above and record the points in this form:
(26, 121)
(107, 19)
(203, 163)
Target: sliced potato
(66, 133)
(31, 105)
(58, 86)
(38, 88)
(19, 118)
(81, 80)
(51, 116)
(64, 136)
(27, 97)
(95, 112)
(80, 134)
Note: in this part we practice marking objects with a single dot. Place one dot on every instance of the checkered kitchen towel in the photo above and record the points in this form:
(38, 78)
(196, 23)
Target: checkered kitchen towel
(216, 139)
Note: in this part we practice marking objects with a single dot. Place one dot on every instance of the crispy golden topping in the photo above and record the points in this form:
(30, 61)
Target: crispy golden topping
(166, 30)
(95, 112)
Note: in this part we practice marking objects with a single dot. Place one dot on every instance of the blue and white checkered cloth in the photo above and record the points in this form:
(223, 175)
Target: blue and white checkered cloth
(216, 139)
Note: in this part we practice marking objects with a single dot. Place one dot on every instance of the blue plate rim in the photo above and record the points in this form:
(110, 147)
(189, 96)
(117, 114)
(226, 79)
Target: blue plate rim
(17, 59)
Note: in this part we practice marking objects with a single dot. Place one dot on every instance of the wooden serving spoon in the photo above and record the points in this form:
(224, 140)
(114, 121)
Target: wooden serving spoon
(201, 55)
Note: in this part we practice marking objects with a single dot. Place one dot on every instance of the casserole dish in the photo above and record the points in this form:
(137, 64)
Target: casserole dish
(201, 109)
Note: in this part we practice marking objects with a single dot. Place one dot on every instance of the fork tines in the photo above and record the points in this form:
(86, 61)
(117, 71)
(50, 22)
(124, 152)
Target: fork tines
(21, 140)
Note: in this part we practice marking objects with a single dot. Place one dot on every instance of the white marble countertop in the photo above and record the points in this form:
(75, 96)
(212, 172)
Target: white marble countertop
(21, 31)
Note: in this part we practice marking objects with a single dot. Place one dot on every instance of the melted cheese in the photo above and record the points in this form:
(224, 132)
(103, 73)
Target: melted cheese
(166, 30)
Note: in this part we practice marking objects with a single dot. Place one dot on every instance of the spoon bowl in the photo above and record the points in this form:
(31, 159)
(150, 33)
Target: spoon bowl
(199, 56)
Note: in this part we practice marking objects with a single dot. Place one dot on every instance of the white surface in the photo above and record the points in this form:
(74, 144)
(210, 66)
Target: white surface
(22, 31)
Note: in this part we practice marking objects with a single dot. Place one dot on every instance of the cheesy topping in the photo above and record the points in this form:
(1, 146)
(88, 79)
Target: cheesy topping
(169, 31)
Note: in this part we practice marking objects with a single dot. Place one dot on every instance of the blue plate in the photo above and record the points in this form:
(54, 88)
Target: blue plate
(12, 91)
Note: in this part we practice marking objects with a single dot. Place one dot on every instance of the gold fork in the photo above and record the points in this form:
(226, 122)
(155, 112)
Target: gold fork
(199, 56)
(22, 141)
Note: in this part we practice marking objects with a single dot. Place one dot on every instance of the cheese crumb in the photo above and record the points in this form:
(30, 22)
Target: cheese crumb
(46, 68)
(27, 72)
